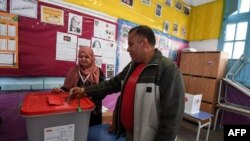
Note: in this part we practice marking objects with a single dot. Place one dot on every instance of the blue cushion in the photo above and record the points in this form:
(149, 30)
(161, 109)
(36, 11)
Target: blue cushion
(100, 133)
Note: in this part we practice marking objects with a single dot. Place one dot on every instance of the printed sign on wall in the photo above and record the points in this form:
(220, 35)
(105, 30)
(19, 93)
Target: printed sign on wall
(24, 8)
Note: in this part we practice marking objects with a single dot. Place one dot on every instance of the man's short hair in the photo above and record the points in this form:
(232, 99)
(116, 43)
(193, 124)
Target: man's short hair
(144, 31)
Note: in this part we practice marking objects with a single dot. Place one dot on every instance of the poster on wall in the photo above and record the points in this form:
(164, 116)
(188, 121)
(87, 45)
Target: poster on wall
(186, 10)
(24, 8)
(123, 55)
(52, 15)
(109, 58)
(183, 31)
(98, 61)
(124, 38)
(165, 26)
(110, 70)
(146, 2)
(178, 5)
(104, 30)
(168, 2)
(75, 24)
(173, 53)
(175, 28)
(83, 42)
(127, 2)
(158, 10)
(97, 46)
(3, 5)
(105, 55)
(162, 43)
(66, 47)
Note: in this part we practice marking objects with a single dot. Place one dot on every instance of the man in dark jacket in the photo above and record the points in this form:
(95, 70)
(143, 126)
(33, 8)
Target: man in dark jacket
(151, 104)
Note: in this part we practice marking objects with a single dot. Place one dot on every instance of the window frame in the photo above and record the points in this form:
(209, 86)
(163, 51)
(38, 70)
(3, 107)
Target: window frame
(243, 76)
(234, 19)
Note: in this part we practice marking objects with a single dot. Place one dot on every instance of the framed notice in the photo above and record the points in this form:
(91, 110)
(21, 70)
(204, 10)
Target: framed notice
(175, 28)
(8, 40)
(146, 2)
(127, 2)
(158, 10)
(168, 2)
(165, 26)
(24, 8)
(178, 5)
(186, 10)
(52, 15)
(75, 24)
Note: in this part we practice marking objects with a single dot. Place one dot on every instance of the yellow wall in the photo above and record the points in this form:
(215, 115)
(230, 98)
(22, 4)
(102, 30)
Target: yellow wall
(139, 13)
(205, 21)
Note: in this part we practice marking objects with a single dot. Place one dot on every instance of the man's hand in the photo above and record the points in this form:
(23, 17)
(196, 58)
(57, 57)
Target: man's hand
(77, 92)
(57, 90)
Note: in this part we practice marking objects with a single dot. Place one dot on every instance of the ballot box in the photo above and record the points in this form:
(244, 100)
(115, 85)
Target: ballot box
(53, 117)
(192, 103)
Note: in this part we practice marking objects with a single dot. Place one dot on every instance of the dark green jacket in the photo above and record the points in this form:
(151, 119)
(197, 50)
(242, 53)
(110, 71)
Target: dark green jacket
(159, 99)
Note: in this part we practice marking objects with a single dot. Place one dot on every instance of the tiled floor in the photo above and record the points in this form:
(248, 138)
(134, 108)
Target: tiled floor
(189, 129)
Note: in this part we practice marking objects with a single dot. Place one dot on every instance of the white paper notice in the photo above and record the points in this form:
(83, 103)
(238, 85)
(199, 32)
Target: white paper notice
(60, 133)
(3, 44)
(97, 45)
(6, 59)
(11, 30)
(104, 30)
(109, 52)
(98, 61)
(66, 47)
(12, 45)
(3, 29)
(83, 42)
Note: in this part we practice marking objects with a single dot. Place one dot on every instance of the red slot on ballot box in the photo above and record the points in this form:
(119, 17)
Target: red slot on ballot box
(53, 117)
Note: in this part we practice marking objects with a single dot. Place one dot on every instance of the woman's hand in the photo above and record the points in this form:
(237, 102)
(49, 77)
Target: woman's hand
(57, 90)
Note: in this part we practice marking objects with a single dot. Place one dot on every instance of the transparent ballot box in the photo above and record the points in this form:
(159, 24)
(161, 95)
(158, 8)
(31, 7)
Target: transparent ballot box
(53, 117)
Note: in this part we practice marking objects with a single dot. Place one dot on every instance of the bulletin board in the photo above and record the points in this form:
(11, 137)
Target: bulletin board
(8, 40)
(169, 46)
(37, 41)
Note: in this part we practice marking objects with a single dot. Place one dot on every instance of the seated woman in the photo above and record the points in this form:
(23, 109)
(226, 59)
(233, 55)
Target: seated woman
(85, 73)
